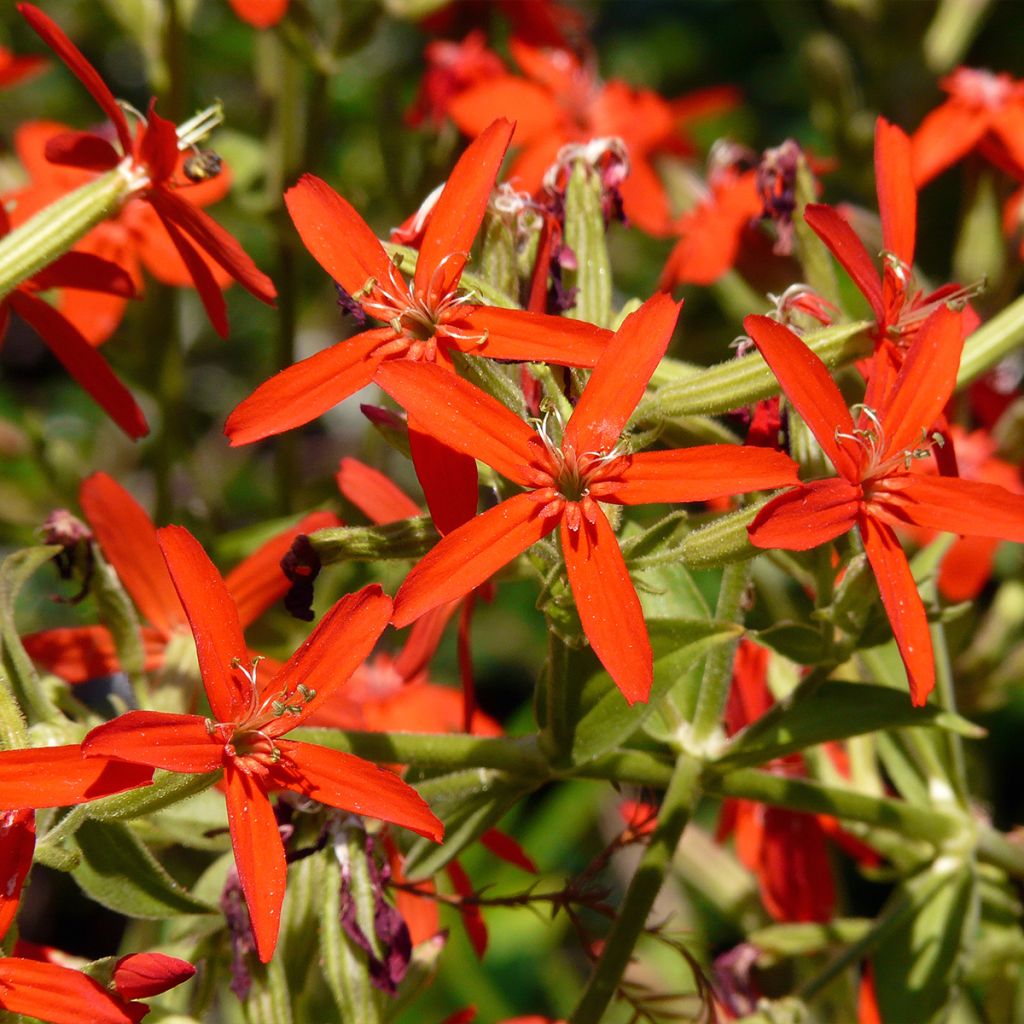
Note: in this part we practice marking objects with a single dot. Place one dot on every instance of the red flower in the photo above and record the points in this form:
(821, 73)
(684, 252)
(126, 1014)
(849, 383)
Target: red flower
(97, 277)
(149, 160)
(17, 847)
(128, 540)
(451, 68)
(425, 321)
(15, 69)
(561, 100)
(260, 13)
(985, 111)
(875, 489)
(564, 483)
(244, 736)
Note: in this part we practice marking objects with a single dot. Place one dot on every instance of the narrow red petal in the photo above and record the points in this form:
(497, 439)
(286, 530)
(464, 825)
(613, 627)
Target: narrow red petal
(456, 216)
(608, 606)
(86, 271)
(902, 604)
(468, 556)
(957, 506)
(380, 500)
(925, 382)
(213, 618)
(948, 133)
(461, 415)
(342, 640)
(535, 337)
(141, 975)
(423, 640)
(259, 855)
(51, 34)
(60, 995)
(257, 581)
(448, 478)
(897, 197)
(807, 516)
(214, 241)
(17, 847)
(349, 782)
(842, 240)
(158, 149)
(696, 474)
(536, 110)
(304, 391)
(335, 235)
(176, 743)
(83, 362)
(502, 845)
(621, 376)
(469, 909)
(808, 385)
(78, 653)
(85, 150)
(129, 542)
(60, 776)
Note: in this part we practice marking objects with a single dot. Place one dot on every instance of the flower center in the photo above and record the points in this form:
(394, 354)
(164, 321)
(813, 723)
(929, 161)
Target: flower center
(869, 438)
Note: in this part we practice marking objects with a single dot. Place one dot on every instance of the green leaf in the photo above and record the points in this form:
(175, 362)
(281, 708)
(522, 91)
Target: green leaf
(805, 938)
(118, 614)
(833, 710)
(916, 963)
(120, 873)
(168, 788)
(604, 720)
(802, 644)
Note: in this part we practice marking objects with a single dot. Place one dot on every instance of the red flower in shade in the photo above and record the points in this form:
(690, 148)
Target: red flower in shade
(128, 539)
(149, 160)
(133, 237)
(98, 277)
(51, 991)
(244, 736)
(564, 483)
(425, 321)
(17, 846)
(15, 69)
(899, 307)
(875, 489)
(984, 112)
(561, 100)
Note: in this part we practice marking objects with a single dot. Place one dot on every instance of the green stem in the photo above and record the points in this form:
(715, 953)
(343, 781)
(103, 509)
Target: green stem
(992, 341)
(714, 686)
(680, 802)
(945, 697)
(557, 734)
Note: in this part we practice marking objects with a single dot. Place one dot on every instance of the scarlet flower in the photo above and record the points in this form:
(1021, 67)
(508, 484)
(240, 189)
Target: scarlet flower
(97, 277)
(260, 13)
(898, 305)
(984, 112)
(128, 540)
(15, 68)
(564, 483)
(17, 847)
(561, 100)
(875, 489)
(149, 160)
(244, 736)
(425, 321)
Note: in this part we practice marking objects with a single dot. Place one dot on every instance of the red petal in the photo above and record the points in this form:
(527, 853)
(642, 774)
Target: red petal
(60, 995)
(448, 478)
(14, 69)
(807, 516)
(56, 40)
(83, 362)
(456, 216)
(948, 133)
(86, 271)
(140, 975)
(794, 868)
(1008, 125)
(259, 855)
(808, 385)
(213, 618)
(644, 200)
(535, 110)
(304, 391)
(897, 197)
(214, 241)
(502, 845)
(17, 846)
(621, 376)
(423, 640)
(925, 382)
(957, 506)
(78, 653)
(177, 743)
(129, 542)
(608, 606)
(158, 149)
(85, 150)
(342, 640)
(60, 776)
(535, 337)
(349, 782)
(380, 500)
(336, 236)
(832, 228)
(257, 582)
(468, 556)
(696, 474)
(461, 415)
(469, 910)
(902, 604)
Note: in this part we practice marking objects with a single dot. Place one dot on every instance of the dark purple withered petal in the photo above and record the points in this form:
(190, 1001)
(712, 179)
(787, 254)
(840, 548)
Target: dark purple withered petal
(243, 942)
(776, 182)
(349, 306)
(301, 565)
